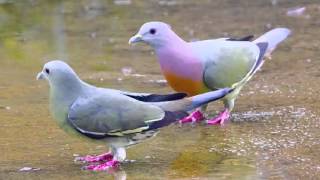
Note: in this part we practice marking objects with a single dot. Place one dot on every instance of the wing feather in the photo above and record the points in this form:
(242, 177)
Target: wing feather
(225, 62)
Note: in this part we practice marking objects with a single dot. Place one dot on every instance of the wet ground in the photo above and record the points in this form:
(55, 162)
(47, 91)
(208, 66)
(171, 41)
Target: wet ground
(275, 130)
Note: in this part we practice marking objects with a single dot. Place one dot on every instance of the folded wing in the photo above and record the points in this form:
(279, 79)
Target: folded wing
(112, 115)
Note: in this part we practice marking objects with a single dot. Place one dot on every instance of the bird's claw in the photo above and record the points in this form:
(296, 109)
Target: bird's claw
(194, 117)
(102, 167)
(90, 159)
(220, 119)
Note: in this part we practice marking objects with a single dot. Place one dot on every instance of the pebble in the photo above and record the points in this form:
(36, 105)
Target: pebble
(122, 2)
(24, 169)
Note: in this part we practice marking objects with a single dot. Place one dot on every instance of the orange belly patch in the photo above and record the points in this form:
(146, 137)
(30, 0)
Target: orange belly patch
(181, 84)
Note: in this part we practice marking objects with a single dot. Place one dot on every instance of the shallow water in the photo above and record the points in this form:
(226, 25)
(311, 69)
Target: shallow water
(275, 130)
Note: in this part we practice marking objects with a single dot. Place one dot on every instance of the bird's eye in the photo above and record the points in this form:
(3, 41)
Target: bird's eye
(47, 71)
(153, 31)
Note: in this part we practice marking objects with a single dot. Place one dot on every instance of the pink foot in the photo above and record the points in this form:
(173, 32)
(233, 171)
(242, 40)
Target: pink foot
(102, 167)
(89, 159)
(196, 116)
(220, 119)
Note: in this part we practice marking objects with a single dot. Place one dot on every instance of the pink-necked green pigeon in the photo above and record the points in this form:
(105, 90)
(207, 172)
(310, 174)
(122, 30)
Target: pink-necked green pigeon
(202, 66)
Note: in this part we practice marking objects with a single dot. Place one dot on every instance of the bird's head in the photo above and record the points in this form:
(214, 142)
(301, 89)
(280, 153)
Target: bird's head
(56, 72)
(153, 33)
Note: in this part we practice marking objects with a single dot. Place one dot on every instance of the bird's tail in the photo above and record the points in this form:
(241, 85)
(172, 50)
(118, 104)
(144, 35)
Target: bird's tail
(273, 38)
(202, 99)
(177, 109)
(190, 103)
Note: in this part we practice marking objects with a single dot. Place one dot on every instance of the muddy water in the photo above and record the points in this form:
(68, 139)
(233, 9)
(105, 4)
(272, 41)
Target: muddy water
(275, 133)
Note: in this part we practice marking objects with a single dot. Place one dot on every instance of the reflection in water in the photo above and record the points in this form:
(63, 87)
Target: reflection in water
(120, 175)
(117, 173)
(276, 128)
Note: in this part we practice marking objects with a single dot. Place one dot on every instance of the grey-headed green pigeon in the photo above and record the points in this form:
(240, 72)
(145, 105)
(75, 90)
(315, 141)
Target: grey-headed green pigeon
(119, 118)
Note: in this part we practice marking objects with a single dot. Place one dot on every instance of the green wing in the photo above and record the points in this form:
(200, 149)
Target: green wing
(226, 62)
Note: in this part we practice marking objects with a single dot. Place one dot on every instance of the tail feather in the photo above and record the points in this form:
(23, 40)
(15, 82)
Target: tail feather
(205, 98)
(273, 38)
(246, 38)
(169, 117)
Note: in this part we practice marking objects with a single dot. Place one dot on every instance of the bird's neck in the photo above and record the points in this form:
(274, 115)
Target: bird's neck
(170, 45)
(170, 51)
(170, 40)
(62, 96)
(178, 57)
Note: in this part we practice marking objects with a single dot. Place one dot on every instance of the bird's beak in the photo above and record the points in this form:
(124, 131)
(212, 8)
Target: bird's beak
(40, 76)
(134, 39)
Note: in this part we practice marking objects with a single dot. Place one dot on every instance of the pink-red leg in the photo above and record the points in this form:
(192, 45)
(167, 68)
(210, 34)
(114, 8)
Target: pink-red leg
(195, 116)
(103, 166)
(90, 159)
(220, 119)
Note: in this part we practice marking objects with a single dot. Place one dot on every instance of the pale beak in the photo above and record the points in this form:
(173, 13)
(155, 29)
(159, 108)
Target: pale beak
(134, 39)
(40, 76)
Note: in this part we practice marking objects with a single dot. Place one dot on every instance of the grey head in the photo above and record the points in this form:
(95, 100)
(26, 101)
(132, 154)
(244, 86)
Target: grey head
(154, 33)
(58, 73)
(65, 85)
